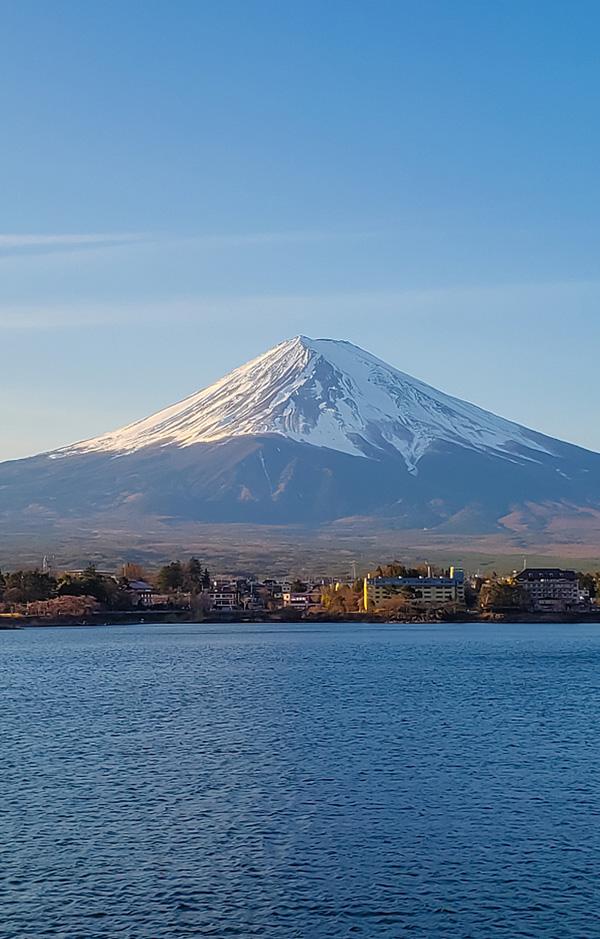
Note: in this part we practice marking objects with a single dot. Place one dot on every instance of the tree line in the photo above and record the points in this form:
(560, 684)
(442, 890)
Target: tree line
(190, 577)
(113, 592)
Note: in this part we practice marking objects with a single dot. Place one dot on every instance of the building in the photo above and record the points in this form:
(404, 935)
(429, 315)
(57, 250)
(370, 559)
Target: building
(549, 589)
(141, 592)
(419, 591)
(302, 601)
(224, 595)
(223, 600)
(295, 601)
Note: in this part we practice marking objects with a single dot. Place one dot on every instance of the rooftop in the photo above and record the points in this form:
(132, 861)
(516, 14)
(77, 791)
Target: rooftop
(545, 573)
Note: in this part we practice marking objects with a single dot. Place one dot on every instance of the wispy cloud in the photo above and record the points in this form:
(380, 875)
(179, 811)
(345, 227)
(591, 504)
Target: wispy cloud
(70, 240)
(27, 248)
(18, 242)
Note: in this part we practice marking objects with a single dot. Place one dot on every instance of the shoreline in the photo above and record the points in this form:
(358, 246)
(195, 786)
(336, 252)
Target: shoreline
(182, 617)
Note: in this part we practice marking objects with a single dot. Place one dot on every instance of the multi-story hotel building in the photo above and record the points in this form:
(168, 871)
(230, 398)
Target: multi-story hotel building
(549, 588)
(422, 591)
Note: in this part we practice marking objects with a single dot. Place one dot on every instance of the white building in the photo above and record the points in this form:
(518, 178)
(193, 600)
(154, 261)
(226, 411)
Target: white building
(549, 588)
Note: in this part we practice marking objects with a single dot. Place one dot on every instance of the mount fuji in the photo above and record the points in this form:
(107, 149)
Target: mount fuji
(325, 393)
(309, 433)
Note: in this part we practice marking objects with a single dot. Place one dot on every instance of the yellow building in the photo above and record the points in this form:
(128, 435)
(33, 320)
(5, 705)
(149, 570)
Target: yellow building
(419, 591)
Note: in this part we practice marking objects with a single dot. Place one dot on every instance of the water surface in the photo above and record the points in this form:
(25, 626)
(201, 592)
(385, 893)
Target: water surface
(175, 781)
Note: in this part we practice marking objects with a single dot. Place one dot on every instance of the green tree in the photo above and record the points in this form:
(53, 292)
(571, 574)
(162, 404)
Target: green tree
(170, 577)
(498, 596)
(397, 569)
(588, 582)
(193, 576)
(297, 586)
(26, 586)
(90, 584)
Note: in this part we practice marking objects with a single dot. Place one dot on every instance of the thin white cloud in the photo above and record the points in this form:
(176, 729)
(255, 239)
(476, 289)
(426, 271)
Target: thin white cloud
(32, 251)
(68, 240)
(15, 241)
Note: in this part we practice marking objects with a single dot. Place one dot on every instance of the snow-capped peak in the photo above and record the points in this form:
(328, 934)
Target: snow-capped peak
(327, 393)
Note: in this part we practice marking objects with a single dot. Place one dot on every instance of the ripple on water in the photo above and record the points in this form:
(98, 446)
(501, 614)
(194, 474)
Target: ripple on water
(169, 782)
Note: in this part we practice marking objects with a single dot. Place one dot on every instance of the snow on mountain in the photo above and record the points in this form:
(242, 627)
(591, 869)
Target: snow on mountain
(331, 394)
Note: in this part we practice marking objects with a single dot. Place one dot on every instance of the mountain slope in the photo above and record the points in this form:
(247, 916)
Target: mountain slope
(328, 394)
(309, 433)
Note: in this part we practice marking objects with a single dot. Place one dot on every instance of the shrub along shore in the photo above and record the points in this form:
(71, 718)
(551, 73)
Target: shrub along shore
(181, 617)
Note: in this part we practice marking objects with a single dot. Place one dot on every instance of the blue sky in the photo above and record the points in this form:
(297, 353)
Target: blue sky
(186, 184)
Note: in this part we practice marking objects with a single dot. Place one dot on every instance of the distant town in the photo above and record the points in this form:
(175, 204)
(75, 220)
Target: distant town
(188, 591)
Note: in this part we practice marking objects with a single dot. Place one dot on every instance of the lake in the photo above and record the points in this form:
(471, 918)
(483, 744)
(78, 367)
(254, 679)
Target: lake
(300, 781)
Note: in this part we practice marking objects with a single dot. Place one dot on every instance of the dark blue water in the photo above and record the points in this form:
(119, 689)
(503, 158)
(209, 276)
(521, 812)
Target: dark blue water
(167, 782)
